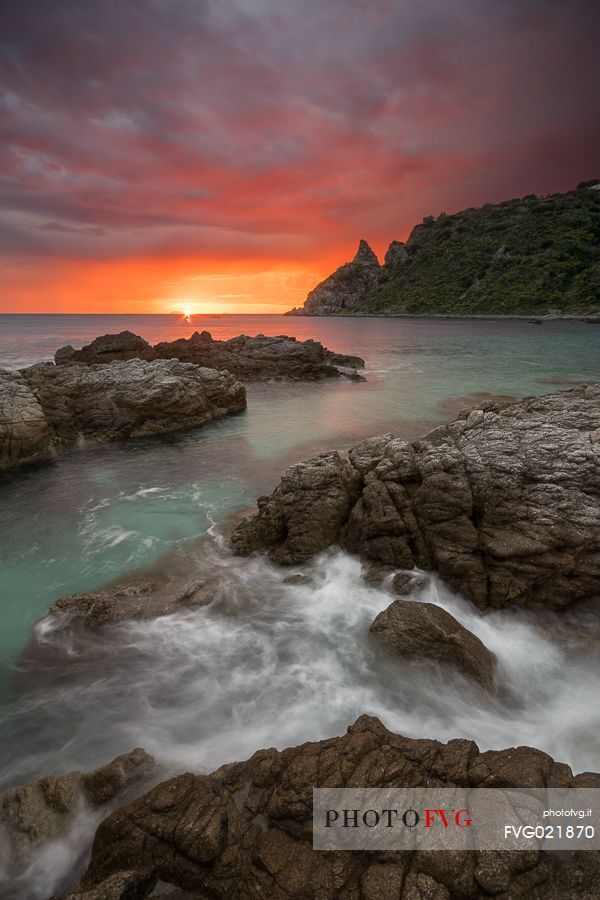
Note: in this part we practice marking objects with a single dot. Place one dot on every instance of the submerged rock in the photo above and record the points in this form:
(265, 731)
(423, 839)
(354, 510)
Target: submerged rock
(46, 407)
(48, 807)
(246, 830)
(424, 631)
(406, 583)
(136, 601)
(250, 358)
(504, 503)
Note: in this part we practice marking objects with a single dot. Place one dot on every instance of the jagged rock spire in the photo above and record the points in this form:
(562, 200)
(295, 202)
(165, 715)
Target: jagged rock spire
(396, 254)
(364, 255)
(347, 286)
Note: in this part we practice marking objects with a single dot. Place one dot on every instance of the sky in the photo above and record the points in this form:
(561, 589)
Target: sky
(226, 155)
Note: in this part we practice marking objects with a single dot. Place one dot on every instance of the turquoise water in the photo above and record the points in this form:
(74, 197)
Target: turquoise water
(98, 513)
(269, 661)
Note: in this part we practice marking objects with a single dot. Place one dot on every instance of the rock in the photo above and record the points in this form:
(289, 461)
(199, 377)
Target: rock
(192, 592)
(304, 513)
(504, 503)
(347, 286)
(48, 807)
(377, 575)
(24, 431)
(424, 631)
(396, 255)
(128, 885)
(246, 830)
(345, 362)
(366, 455)
(132, 399)
(46, 406)
(249, 358)
(480, 261)
(407, 583)
(365, 256)
(108, 348)
(262, 357)
(136, 601)
(103, 607)
(298, 579)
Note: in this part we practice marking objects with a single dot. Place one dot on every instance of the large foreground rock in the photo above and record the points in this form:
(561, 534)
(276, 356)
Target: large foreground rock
(250, 358)
(504, 503)
(46, 407)
(246, 830)
(48, 807)
(310, 505)
(415, 630)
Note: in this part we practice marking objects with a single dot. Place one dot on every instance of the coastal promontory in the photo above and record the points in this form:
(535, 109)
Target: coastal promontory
(527, 256)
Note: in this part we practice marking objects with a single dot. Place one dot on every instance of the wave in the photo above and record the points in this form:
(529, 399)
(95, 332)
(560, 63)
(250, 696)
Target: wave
(278, 657)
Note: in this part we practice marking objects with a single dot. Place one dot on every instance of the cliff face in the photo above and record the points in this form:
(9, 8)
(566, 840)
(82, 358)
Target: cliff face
(347, 288)
(530, 255)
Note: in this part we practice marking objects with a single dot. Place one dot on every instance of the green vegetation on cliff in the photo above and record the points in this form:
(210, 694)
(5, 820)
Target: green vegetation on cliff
(530, 255)
(533, 255)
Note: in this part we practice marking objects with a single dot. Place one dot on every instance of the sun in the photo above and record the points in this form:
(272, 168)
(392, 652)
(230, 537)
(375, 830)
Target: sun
(187, 314)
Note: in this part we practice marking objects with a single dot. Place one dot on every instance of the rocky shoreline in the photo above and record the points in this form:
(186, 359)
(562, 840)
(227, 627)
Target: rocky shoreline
(504, 504)
(52, 806)
(258, 358)
(246, 830)
(119, 386)
(45, 408)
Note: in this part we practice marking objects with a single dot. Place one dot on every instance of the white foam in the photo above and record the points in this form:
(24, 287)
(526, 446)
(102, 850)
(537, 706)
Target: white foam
(275, 662)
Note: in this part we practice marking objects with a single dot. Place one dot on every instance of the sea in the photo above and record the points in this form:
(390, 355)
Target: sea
(270, 661)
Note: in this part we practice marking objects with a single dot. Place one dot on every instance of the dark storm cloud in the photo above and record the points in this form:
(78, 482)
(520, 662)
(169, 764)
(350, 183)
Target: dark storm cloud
(165, 126)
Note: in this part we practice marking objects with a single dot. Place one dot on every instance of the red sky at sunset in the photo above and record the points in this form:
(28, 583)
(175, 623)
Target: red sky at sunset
(225, 155)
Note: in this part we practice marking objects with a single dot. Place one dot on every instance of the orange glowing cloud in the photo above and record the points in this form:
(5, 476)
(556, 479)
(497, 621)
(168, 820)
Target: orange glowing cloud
(226, 156)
